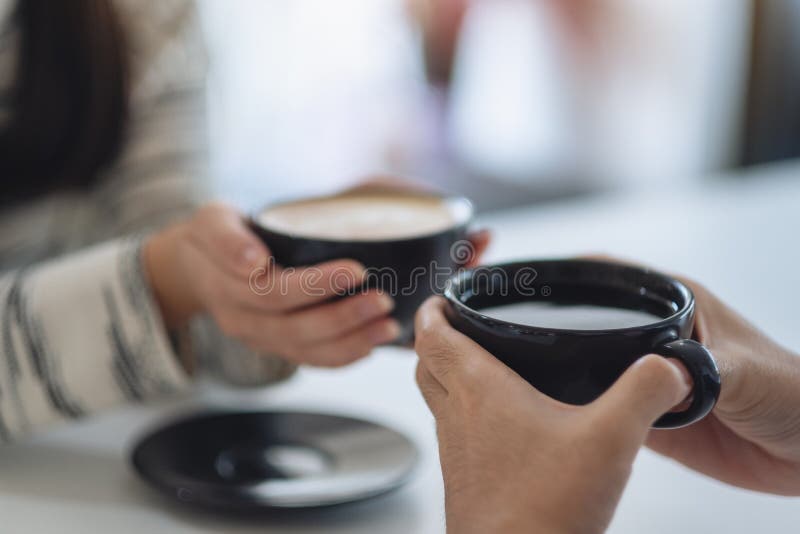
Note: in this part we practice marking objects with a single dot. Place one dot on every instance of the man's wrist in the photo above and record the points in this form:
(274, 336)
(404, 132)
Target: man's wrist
(505, 518)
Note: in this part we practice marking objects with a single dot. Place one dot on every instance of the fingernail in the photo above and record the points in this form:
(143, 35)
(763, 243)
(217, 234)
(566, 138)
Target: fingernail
(369, 307)
(388, 331)
(385, 302)
(250, 256)
(361, 272)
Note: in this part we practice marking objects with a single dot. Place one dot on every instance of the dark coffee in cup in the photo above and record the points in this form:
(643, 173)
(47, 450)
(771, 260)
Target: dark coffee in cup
(572, 317)
(572, 327)
(410, 242)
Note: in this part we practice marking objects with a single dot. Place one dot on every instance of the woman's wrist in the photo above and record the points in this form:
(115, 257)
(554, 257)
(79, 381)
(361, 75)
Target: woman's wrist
(170, 286)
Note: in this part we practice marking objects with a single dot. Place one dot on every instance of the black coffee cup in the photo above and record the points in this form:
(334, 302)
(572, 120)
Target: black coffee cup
(576, 366)
(409, 269)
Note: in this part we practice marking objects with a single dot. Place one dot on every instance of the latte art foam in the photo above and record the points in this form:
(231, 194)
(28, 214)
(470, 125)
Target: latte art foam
(362, 217)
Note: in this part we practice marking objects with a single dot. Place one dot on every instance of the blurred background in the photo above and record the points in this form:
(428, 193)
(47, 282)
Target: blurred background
(507, 101)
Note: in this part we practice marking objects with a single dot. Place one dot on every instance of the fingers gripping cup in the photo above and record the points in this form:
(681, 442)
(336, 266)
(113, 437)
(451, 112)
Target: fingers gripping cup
(572, 327)
(410, 242)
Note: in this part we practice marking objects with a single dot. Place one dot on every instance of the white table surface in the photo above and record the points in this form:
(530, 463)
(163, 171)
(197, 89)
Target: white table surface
(739, 237)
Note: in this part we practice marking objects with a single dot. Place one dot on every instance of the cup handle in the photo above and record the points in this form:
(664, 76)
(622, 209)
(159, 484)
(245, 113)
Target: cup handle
(703, 369)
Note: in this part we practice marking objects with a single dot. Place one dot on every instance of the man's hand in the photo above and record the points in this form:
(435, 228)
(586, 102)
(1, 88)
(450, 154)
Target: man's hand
(752, 437)
(515, 460)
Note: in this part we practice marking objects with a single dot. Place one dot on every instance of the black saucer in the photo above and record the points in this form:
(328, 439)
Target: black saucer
(273, 460)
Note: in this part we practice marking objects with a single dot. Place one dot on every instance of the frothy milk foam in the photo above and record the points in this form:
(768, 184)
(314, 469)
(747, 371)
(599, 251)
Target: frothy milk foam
(361, 217)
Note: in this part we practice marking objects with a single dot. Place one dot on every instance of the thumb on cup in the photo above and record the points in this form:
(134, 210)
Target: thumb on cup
(648, 389)
(225, 235)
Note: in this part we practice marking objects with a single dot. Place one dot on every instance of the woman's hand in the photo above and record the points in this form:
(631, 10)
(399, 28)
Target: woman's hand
(206, 265)
(752, 437)
(515, 460)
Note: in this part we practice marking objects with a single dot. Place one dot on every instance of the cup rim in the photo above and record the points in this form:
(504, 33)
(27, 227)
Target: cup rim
(464, 214)
(451, 294)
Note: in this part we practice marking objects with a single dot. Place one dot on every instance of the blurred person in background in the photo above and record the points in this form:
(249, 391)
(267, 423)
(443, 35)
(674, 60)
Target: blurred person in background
(440, 23)
(574, 96)
(116, 286)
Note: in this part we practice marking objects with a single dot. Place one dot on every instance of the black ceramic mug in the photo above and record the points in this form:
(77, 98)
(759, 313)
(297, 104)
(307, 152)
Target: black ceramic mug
(408, 268)
(576, 366)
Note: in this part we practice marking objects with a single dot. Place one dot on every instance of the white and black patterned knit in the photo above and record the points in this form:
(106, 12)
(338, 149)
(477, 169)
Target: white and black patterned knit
(79, 329)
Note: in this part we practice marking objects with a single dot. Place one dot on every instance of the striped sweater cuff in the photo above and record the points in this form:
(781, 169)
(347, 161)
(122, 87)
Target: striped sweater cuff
(81, 334)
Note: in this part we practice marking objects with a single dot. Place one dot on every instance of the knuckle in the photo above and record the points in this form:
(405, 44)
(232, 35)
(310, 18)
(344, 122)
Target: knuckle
(655, 371)
(472, 400)
(472, 369)
(430, 342)
(438, 350)
(426, 330)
